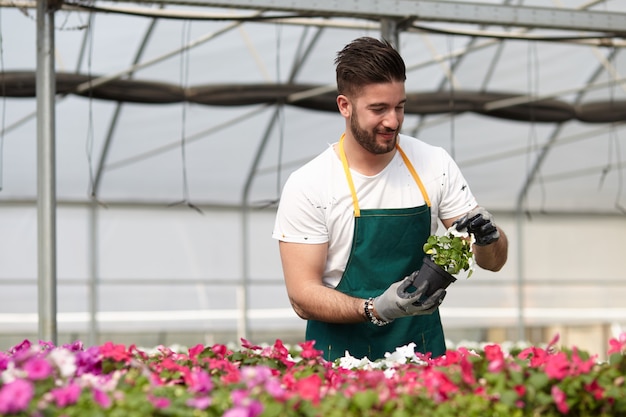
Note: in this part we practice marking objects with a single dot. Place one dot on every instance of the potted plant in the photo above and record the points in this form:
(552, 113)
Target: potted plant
(446, 255)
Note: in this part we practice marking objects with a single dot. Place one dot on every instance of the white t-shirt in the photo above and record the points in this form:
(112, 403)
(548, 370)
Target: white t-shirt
(316, 203)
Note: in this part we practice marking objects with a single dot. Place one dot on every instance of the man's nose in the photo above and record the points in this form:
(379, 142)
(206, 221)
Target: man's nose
(392, 120)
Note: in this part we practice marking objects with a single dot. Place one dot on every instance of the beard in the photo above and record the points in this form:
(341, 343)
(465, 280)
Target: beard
(368, 139)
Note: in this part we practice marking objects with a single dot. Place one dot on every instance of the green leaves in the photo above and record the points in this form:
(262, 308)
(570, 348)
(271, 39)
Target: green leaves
(452, 253)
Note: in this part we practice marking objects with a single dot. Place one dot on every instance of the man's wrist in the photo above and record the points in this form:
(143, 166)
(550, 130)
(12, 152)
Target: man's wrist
(370, 314)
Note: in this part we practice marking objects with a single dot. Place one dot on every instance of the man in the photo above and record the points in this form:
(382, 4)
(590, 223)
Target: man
(352, 222)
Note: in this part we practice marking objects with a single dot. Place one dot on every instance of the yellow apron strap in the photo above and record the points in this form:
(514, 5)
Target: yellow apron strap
(416, 177)
(346, 169)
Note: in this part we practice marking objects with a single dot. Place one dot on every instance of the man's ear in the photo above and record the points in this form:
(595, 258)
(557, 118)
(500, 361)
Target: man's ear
(344, 105)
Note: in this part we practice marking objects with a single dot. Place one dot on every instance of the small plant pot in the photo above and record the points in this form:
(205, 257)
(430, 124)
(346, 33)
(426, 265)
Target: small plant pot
(436, 276)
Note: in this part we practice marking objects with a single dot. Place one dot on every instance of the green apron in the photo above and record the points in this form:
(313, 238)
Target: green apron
(387, 246)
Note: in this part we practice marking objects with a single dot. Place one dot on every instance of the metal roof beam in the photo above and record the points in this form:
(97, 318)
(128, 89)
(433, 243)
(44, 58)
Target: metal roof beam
(433, 11)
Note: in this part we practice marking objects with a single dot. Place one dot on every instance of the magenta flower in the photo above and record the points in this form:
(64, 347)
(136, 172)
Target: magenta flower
(66, 395)
(201, 403)
(4, 361)
(21, 347)
(309, 388)
(115, 352)
(159, 402)
(559, 398)
(199, 381)
(494, 355)
(255, 375)
(557, 366)
(309, 351)
(101, 398)
(195, 351)
(244, 405)
(617, 345)
(38, 368)
(89, 361)
(15, 396)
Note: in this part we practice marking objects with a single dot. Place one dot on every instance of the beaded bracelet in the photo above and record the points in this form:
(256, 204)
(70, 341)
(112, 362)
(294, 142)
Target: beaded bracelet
(369, 313)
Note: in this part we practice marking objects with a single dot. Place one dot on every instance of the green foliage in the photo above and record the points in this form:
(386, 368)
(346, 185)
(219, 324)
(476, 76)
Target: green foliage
(452, 253)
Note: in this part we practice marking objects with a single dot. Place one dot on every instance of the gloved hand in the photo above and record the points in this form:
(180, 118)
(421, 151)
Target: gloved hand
(479, 222)
(397, 302)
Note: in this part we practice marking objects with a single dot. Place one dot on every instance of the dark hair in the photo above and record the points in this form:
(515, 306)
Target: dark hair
(367, 61)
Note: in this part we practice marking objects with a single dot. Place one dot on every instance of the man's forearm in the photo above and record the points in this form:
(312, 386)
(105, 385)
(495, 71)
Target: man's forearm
(492, 257)
(329, 305)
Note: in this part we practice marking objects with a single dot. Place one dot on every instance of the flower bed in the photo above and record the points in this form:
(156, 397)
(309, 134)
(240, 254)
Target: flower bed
(115, 380)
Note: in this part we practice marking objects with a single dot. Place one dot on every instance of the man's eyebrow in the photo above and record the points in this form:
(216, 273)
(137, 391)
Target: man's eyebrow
(383, 104)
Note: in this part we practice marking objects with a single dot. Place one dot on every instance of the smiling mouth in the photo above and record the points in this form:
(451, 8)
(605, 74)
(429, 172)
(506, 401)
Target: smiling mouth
(388, 135)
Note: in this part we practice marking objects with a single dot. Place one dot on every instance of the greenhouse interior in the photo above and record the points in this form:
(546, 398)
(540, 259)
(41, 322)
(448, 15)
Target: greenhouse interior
(145, 145)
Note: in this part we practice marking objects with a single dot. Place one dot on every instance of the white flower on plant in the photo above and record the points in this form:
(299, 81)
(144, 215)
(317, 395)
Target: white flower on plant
(350, 362)
(11, 373)
(454, 232)
(64, 360)
(403, 354)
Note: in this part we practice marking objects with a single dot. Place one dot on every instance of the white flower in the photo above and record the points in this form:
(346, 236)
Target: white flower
(350, 362)
(454, 232)
(402, 354)
(64, 360)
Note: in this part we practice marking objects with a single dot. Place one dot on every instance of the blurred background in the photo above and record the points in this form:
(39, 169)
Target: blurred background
(160, 134)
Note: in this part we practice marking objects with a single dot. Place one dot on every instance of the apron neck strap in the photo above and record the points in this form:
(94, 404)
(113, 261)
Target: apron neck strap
(346, 169)
(416, 177)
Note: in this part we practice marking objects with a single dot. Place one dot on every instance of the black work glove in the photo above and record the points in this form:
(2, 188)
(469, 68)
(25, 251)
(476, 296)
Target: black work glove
(479, 222)
(397, 301)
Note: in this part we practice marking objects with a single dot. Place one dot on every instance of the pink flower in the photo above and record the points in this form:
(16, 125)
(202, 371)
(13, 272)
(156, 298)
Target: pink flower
(159, 402)
(272, 387)
(66, 395)
(252, 410)
(559, 398)
(101, 398)
(199, 381)
(244, 405)
(195, 351)
(200, 403)
(21, 347)
(38, 368)
(595, 389)
(537, 356)
(246, 344)
(4, 361)
(467, 371)
(580, 366)
(617, 345)
(89, 361)
(115, 352)
(557, 366)
(309, 388)
(15, 396)
(309, 351)
(493, 353)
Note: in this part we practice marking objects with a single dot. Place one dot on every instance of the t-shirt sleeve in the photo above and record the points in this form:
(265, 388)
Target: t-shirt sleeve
(457, 198)
(300, 217)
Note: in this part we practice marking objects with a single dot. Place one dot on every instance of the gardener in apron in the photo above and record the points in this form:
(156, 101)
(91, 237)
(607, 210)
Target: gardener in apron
(352, 222)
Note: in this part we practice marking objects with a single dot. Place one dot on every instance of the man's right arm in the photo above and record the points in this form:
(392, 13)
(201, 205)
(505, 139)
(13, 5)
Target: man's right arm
(303, 268)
